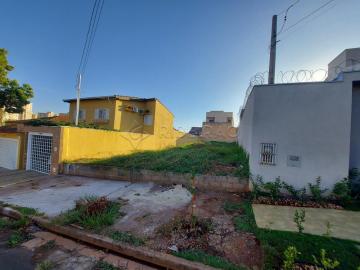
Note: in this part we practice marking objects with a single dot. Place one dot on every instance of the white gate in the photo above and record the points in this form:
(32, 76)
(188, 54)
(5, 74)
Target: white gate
(39, 152)
(9, 153)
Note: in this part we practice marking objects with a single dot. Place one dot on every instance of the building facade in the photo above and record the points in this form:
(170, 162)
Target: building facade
(301, 131)
(219, 126)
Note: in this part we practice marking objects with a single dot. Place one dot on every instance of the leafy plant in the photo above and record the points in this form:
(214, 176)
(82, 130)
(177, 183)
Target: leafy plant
(257, 186)
(45, 265)
(299, 219)
(342, 191)
(290, 254)
(101, 265)
(17, 238)
(325, 262)
(328, 229)
(298, 194)
(274, 188)
(316, 191)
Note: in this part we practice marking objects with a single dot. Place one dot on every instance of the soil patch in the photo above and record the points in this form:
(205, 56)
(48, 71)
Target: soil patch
(295, 203)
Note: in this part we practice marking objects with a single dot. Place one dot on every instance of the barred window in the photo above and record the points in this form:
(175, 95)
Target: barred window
(268, 154)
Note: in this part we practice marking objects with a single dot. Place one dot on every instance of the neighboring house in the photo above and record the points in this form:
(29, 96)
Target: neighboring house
(26, 114)
(195, 131)
(301, 131)
(45, 114)
(219, 126)
(124, 113)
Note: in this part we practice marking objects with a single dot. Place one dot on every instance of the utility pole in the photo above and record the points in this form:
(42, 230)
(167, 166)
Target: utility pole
(271, 79)
(78, 99)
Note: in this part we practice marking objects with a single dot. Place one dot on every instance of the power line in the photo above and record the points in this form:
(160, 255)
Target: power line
(285, 16)
(308, 15)
(90, 35)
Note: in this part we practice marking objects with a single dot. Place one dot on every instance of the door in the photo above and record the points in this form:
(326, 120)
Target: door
(9, 154)
(39, 152)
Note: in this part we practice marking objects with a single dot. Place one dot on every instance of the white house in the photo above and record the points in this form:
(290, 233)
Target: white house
(300, 131)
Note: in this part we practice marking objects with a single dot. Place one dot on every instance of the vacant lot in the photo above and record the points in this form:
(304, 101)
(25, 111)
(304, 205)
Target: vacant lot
(214, 158)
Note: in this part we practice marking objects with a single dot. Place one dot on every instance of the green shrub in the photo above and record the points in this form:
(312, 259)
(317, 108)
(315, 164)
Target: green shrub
(274, 188)
(299, 219)
(354, 183)
(298, 194)
(290, 255)
(317, 193)
(45, 265)
(324, 262)
(128, 238)
(342, 192)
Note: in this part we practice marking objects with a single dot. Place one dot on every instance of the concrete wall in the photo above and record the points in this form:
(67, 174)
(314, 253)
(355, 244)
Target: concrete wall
(220, 116)
(202, 182)
(348, 60)
(355, 128)
(221, 132)
(308, 120)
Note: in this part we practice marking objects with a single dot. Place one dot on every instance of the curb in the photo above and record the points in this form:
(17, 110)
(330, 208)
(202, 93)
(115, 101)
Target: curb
(155, 258)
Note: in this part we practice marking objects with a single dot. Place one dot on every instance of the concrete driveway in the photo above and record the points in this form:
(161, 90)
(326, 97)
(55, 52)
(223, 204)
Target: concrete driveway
(55, 194)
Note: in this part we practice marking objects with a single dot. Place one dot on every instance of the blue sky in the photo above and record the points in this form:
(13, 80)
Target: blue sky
(194, 55)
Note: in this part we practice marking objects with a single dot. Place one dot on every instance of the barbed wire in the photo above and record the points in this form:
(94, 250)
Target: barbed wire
(302, 76)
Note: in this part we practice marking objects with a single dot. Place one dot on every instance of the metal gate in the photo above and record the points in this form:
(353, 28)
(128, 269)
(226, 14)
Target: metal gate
(39, 152)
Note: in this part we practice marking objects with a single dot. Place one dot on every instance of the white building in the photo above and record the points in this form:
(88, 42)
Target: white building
(300, 131)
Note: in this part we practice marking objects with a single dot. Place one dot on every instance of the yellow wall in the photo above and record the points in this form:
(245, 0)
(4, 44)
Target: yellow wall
(85, 143)
(90, 106)
(20, 138)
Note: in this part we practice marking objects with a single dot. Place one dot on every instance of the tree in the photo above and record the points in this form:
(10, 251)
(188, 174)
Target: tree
(13, 96)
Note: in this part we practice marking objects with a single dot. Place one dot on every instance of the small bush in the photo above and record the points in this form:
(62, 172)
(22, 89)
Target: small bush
(101, 265)
(17, 238)
(317, 193)
(342, 192)
(325, 262)
(274, 188)
(298, 194)
(299, 219)
(128, 238)
(290, 255)
(92, 213)
(45, 265)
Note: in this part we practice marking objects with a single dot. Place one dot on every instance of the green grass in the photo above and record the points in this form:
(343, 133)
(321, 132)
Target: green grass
(207, 158)
(45, 265)
(95, 222)
(232, 207)
(275, 243)
(16, 238)
(127, 238)
(214, 261)
(27, 211)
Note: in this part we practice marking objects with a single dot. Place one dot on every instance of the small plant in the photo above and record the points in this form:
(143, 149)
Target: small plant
(342, 191)
(299, 219)
(101, 265)
(298, 194)
(45, 265)
(290, 255)
(17, 238)
(257, 186)
(127, 238)
(274, 188)
(48, 245)
(324, 262)
(316, 192)
(232, 207)
(328, 229)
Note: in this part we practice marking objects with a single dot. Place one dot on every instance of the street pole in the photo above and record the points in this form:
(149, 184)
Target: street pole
(271, 79)
(78, 99)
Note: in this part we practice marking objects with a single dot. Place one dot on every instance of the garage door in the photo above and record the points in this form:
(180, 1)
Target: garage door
(9, 153)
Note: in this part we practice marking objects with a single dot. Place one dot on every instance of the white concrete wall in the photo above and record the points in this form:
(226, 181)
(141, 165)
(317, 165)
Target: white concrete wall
(355, 129)
(348, 60)
(309, 120)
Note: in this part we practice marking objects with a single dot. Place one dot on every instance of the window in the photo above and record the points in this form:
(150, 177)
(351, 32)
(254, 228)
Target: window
(148, 119)
(82, 115)
(102, 114)
(211, 119)
(268, 153)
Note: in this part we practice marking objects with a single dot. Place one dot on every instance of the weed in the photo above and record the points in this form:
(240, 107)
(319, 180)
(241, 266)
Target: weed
(92, 213)
(16, 238)
(128, 238)
(257, 185)
(45, 265)
(27, 211)
(214, 261)
(299, 219)
(298, 194)
(328, 229)
(324, 262)
(316, 191)
(290, 254)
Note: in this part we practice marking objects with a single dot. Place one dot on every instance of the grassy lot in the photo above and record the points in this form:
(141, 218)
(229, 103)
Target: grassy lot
(275, 242)
(215, 158)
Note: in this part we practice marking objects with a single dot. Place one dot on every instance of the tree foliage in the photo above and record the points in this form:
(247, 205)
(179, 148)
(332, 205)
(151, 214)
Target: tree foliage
(13, 96)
